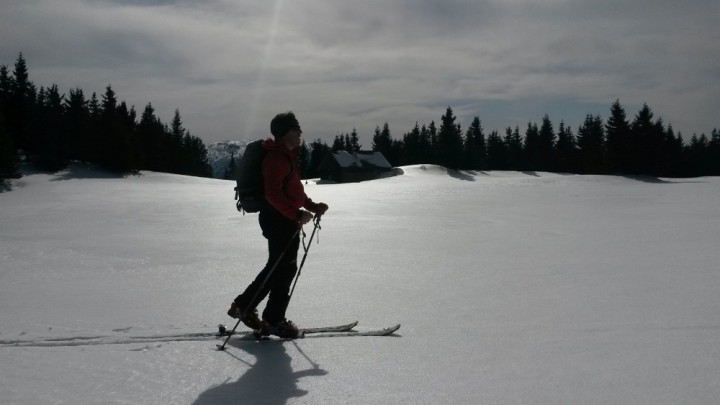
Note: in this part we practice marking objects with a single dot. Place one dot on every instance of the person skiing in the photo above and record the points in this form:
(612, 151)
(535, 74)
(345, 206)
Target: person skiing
(285, 210)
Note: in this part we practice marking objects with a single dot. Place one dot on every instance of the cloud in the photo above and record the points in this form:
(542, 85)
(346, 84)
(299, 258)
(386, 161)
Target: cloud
(230, 65)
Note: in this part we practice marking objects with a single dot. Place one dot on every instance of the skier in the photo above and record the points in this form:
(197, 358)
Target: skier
(281, 216)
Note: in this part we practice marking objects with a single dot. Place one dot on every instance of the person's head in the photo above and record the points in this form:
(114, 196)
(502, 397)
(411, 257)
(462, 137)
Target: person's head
(286, 129)
(283, 123)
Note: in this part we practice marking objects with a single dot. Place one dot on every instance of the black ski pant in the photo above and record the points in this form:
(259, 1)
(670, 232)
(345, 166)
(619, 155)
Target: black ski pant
(283, 245)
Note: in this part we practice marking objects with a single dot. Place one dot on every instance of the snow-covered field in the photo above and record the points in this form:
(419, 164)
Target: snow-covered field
(511, 288)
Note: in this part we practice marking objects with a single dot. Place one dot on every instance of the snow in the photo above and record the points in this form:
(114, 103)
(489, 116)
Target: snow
(511, 288)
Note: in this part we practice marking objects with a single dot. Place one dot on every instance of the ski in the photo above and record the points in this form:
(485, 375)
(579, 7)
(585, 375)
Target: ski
(223, 332)
(328, 334)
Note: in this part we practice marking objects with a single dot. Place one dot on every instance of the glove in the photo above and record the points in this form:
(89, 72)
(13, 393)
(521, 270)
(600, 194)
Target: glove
(304, 217)
(320, 209)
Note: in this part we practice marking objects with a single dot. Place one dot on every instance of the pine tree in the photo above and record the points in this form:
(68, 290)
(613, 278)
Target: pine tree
(646, 143)
(565, 150)
(354, 142)
(434, 145)
(151, 136)
(8, 154)
(497, 152)
(450, 141)
(475, 146)
(546, 146)
(673, 150)
(697, 155)
(318, 151)
(231, 169)
(51, 152)
(591, 144)
(413, 149)
(382, 140)
(19, 110)
(178, 155)
(618, 140)
(5, 91)
(338, 143)
(532, 147)
(425, 151)
(514, 149)
(196, 161)
(77, 125)
(304, 159)
(714, 154)
(113, 145)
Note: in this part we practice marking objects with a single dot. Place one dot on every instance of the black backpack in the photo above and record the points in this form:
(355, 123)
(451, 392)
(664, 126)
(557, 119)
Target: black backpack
(250, 191)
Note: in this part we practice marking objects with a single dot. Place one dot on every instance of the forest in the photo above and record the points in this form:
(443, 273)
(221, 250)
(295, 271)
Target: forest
(50, 130)
(643, 146)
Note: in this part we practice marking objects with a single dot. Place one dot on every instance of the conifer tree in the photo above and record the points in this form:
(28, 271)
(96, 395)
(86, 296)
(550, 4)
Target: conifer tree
(497, 152)
(8, 153)
(77, 125)
(697, 155)
(338, 143)
(565, 150)
(382, 140)
(475, 146)
(318, 151)
(304, 159)
(413, 148)
(532, 147)
(21, 102)
(51, 152)
(113, 140)
(546, 146)
(640, 133)
(514, 149)
(5, 91)
(673, 151)
(714, 153)
(354, 142)
(434, 143)
(425, 146)
(450, 141)
(617, 140)
(177, 150)
(231, 169)
(151, 134)
(196, 161)
(591, 144)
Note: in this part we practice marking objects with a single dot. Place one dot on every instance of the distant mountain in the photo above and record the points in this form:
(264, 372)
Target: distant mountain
(219, 155)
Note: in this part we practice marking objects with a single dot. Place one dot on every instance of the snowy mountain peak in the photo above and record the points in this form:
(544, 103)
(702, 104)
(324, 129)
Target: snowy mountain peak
(220, 153)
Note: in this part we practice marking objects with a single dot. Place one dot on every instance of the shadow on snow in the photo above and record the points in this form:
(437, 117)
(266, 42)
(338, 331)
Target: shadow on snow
(271, 380)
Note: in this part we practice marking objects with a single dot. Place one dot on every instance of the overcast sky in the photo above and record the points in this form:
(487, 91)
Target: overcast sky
(231, 65)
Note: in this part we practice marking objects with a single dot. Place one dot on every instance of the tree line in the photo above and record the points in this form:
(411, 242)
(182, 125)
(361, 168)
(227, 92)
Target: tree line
(50, 129)
(618, 146)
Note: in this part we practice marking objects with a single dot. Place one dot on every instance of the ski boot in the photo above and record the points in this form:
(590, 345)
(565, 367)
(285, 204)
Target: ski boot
(251, 318)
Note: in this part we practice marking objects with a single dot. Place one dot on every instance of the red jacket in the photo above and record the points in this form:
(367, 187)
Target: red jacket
(281, 178)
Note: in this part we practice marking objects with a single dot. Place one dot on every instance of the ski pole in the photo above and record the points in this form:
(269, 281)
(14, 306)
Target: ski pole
(262, 286)
(316, 221)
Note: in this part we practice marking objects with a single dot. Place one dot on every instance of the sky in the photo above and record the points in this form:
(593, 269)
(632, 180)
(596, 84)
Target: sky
(230, 65)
